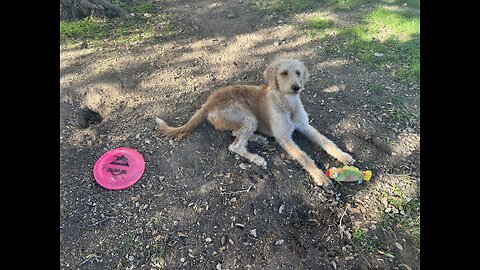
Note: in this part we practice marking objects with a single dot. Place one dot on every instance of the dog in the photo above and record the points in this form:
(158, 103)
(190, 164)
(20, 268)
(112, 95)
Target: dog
(273, 110)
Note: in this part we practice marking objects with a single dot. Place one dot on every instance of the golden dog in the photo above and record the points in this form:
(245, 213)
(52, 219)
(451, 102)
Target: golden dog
(274, 110)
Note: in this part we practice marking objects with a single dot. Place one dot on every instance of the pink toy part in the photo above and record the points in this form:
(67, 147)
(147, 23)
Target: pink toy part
(119, 168)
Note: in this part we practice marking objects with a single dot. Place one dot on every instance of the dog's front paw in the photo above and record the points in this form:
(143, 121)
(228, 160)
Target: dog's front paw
(322, 180)
(346, 159)
(260, 161)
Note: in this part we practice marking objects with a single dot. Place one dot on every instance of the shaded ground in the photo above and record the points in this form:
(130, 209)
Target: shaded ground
(198, 206)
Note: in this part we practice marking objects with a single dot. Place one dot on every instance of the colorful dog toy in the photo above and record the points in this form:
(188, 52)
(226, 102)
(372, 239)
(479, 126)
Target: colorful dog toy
(348, 174)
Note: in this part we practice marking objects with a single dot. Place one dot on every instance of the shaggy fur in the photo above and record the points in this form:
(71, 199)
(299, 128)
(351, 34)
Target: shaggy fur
(274, 110)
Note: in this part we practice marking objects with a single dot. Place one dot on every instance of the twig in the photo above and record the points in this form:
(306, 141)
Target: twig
(89, 258)
(406, 174)
(344, 212)
(240, 191)
(340, 226)
(100, 221)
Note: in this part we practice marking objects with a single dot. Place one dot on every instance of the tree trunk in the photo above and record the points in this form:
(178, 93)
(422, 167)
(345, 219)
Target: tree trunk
(78, 9)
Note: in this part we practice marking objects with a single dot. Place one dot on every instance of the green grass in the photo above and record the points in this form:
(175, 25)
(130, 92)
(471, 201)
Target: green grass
(410, 220)
(284, 7)
(345, 4)
(158, 249)
(385, 40)
(224, 154)
(369, 243)
(139, 7)
(410, 3)
(318, 28)
(118, 30)
(85, 29)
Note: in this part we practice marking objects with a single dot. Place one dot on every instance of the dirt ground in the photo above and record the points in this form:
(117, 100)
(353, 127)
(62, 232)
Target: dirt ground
(198, 206)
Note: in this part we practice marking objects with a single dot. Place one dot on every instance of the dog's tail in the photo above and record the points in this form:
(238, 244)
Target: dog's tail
(180, 132)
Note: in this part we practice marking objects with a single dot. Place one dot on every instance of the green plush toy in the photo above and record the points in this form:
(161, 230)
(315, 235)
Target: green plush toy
(348, 174)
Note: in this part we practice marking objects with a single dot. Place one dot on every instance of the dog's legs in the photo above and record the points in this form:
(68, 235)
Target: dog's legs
(307, 163)
(243, 123)
(330, 147)
(239, 146)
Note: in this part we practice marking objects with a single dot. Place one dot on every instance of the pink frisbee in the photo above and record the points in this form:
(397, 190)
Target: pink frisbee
(119, 168)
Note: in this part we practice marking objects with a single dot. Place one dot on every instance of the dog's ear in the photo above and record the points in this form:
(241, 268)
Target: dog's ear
(270, 75)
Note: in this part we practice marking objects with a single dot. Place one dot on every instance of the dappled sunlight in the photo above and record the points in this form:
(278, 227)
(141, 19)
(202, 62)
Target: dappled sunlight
(198, 203)
(335, 88)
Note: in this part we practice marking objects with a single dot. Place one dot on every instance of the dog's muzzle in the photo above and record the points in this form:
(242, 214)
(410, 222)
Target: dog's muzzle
(295, 88)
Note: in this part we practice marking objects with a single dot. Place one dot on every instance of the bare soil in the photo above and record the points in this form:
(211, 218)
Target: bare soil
(198, 206)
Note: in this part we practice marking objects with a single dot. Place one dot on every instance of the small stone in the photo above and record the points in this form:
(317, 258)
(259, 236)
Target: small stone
(244, 166)
(253, 233)
(231, 242)
(182, 260)
(276, 43)
(279, 242)
(147, 141)
(388, 210)
(231, 15)
(398, 245)
(348, 258)
(208, 240)
(384, 201)
(219, 266)
(147, 15)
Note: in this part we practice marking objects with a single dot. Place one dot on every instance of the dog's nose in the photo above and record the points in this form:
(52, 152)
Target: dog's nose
(295, 88)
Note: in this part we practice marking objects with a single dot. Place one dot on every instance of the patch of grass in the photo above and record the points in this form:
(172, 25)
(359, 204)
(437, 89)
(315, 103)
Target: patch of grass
(131, 30)
(318, 28)
(224, 154)
(369, 243)
(377, 89)
(158, 249)
(129, 242)
(118, 30)
(385, 39)
(137, 7)
(345, 4)
(400, 115)
(81, 30)
(410, 3)
(408, 217)
(284, 7)
(318, 23)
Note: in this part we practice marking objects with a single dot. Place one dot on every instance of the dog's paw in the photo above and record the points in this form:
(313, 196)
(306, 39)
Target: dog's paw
(260, 161)
(322, 180)
(346, 159)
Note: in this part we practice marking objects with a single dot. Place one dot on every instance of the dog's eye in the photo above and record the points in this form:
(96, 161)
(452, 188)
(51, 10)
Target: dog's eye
(284, 73)
(297, 72)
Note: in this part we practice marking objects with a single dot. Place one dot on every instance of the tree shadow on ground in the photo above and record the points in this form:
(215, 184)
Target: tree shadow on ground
(166, 212)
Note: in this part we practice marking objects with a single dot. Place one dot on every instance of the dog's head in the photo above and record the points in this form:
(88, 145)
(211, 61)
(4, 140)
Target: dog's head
(288, 76)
